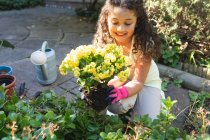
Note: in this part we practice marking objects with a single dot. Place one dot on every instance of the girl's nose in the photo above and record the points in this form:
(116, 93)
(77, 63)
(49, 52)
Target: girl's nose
(120, 28)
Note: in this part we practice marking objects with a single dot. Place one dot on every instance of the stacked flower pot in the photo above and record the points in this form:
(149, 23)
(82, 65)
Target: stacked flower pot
(7, 80)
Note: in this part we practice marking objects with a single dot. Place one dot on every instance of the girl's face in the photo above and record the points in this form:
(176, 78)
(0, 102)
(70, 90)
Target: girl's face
(121, 24)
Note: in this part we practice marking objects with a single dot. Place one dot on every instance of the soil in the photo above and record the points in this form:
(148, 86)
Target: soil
(5, 81)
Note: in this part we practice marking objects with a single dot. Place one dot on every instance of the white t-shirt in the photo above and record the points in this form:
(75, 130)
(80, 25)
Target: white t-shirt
(153, 77)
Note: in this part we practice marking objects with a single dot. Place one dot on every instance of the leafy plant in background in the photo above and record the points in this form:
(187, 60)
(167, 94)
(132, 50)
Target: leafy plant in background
(19, 4)
(177, 83)
(171, 51)
(89, 12)
(164, 85)
(186, 20)
(204, 62)
(198, 120)
(5, 43)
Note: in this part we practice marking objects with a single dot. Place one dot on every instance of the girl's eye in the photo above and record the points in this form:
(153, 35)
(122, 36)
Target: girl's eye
(127, 24)
(114, 23)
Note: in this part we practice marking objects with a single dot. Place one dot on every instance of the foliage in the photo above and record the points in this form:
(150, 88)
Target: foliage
(144, 128)
(94, 66)
(51, 117)
(170, 80)
(19, 4)
(188, 22)
(198, 120)
(90, 12)
(164, 85)
(5, 43)
(171, 51)
(177, 83)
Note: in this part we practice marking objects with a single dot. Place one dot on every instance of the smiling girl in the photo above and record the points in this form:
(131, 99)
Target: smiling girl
(125, 23)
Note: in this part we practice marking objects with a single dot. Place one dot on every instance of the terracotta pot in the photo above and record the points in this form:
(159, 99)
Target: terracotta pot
(9, 81)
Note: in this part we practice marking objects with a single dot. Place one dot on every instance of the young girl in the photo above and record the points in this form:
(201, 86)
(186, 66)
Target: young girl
(125, 23)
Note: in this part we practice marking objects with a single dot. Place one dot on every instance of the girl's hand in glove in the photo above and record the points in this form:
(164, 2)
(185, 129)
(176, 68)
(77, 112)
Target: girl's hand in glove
(117, 94)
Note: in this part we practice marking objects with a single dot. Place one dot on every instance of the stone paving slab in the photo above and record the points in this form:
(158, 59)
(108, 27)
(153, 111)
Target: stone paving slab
(35, 44)
(8, 55)
(55, 34)
(18, 33)
(77, 38)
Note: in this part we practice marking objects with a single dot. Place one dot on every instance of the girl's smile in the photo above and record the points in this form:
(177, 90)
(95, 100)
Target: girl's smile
(121, 25)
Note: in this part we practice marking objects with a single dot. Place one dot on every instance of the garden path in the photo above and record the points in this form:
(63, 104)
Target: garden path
(28, 28)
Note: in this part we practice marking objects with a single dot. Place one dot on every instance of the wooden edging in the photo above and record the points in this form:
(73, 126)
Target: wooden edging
(196, 70)
(190, 81)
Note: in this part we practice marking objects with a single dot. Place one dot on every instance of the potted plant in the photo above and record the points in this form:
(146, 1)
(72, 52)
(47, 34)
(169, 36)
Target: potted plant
(6, 78)
(9, 82)
(94, 68)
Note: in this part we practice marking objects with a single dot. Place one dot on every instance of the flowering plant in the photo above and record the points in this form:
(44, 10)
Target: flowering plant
(94, 66)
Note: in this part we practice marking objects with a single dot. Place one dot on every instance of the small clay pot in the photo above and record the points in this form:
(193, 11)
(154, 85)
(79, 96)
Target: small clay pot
(9, 81)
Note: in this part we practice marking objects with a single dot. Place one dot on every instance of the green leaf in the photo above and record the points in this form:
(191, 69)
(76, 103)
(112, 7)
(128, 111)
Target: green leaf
(2, 117)
(103, 135)
(92, 128)
(35, 123)
(39, 117)
(12, 116)
(25, 121)
(71, 125)
(92, 137)
(5, 43)
(50, 115)
(193, 96)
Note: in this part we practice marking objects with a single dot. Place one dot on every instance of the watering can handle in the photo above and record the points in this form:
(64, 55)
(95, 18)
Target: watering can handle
(44, 46)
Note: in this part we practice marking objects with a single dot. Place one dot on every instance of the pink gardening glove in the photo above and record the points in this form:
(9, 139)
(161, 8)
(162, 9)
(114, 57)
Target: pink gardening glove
(117, 94)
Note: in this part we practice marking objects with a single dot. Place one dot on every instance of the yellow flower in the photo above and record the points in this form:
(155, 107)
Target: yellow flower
(62, 70)
(110, 56)
(123, 75)
(93, 64)
(101, 51)
(90, 68)
(107, 62)
(97, 64)
(76, 72)
(92, 48)
(118, 65)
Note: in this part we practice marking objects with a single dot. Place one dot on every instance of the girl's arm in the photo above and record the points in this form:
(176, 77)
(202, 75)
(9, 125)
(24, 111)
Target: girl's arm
(140, 74)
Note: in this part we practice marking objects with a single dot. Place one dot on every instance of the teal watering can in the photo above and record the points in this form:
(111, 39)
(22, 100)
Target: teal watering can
(44, 60)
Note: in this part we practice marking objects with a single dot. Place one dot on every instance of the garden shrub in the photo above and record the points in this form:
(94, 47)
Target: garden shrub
(19, 4)
(198, 119)
(184, 28)
(51, 117)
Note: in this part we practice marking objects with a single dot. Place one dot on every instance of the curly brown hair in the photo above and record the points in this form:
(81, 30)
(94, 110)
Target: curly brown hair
(146, 42)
